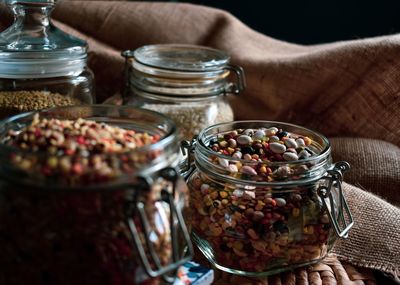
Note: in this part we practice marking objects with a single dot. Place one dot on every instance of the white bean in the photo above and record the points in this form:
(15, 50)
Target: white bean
(244, 140)
(300, 142)
(259, 134)
(291, 143)
(223, 162)
(277, 147)
(290, 156)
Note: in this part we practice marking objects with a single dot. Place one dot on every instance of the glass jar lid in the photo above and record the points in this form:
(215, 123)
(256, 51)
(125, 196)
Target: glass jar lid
(32, 47)
(181, 70)
(181, 57)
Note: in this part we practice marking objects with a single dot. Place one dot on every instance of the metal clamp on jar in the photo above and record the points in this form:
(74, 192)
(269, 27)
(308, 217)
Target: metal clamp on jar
(265, 197)
(75, 208)
(185, 82)
(40, 65)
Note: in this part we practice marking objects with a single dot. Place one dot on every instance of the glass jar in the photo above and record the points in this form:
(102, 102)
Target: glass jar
(41, 66)
(185, 82)
(257, 217)
(128, 229)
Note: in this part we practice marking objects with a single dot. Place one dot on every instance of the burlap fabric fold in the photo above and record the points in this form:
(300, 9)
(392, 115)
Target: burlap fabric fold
(375, 165)
(374, 240)
(347, 89)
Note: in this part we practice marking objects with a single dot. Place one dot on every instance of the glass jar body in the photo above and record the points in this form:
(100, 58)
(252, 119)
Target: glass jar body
(19, 95)
(127, 230)
(80, 238)
(255, 213)
(191, 116)
(257, 230)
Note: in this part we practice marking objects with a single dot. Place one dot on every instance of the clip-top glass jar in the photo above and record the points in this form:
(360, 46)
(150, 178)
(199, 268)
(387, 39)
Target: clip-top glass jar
(265, 197)
(81, 214)
(184, 82)
(40, 65)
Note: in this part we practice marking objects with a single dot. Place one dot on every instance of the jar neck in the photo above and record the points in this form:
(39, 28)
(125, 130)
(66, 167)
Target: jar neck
(161, 98)
(184, 88)
(182, 83)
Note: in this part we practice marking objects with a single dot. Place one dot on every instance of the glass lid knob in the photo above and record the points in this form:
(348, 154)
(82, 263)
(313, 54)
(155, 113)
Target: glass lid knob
(33, 47)
(32, 29)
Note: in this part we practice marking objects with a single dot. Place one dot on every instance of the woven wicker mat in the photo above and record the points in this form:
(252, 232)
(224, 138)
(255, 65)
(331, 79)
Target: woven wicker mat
(330, 271)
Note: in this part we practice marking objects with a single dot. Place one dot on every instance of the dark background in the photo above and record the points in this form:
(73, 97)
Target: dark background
(312, 21)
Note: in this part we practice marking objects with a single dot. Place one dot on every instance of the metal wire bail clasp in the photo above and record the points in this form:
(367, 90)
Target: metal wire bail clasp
(240, 83)
(187, 149)
(339, 215)
(128, 55)
(148, 255)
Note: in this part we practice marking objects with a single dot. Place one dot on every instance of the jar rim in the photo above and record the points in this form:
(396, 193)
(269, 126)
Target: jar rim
(166, 139)
(20, 68)
(201, 149)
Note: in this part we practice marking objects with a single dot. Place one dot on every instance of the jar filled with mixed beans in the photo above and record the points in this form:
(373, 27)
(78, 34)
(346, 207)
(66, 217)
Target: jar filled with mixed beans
(40, 65)
(91, 195)
(265, 197)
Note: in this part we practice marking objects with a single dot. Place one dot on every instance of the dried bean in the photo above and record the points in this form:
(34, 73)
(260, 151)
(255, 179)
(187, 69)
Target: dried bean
(244, 140)
(277, 147)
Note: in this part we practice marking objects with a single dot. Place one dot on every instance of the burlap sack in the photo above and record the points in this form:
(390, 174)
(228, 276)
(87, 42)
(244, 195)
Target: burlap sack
(345, 88)
(374, 241)
(375, 165)
(340, 89)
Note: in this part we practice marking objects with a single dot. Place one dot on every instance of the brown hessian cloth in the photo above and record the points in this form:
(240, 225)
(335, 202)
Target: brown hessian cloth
(344, 89)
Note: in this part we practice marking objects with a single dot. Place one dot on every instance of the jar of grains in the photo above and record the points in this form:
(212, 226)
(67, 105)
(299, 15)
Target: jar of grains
(185, 82)
(90, 195)
(41, 66)
(265, 197)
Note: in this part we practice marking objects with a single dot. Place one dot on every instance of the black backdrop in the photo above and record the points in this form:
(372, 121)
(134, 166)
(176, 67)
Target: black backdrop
(313, 21)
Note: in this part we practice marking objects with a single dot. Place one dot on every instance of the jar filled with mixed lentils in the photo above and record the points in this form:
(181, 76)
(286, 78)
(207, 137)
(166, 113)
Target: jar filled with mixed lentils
(185, 82)
(41, 66)
(90, 195)
(265, 197)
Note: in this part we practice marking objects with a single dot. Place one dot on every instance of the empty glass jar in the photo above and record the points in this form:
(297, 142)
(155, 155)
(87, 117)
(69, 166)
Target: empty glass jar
(185, 82)
(41, 66)
(265, 197)
(73, 216)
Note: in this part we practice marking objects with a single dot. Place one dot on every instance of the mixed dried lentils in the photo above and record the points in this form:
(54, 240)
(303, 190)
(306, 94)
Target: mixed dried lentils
(77, 151)
(257, 228)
